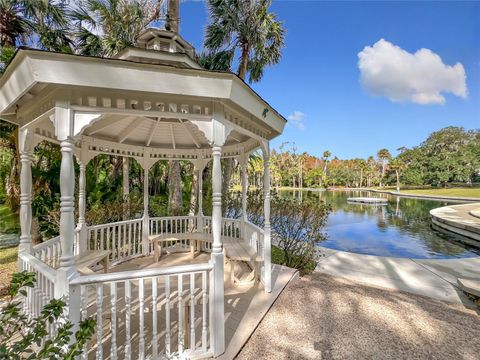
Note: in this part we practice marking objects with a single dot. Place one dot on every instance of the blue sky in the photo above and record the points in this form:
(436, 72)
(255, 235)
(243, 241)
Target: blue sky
(319, 73)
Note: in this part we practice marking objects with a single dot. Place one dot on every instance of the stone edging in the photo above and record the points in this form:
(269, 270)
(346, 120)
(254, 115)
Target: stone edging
(442, 217)
(476, 212)
(430, 197)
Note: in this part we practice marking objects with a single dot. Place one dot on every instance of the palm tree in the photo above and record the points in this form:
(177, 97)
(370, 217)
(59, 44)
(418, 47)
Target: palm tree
(326, 155)
(383, 155)
(105, 27)
(175, 204)
(361, 165)
(13, 23)
(50, 23)
(247, 26)
(255, 167)
(43, 22)
(398, 165)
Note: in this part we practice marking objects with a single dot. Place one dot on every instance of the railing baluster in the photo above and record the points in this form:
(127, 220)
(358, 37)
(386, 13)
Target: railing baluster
(180, 313)
(106, 243)
(83, 314)
(134, 242)
(115, 243)
(167, 315)
(141, 346)
(204, 311)
(121, 242)
(128, 346)
(99, 305)
(129, 246)
(113, 323)
(192, 311)
(154, 318)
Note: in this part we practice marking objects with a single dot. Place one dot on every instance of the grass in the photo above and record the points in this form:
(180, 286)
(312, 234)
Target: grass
(8, 265)
(10, 222)
(462, 192)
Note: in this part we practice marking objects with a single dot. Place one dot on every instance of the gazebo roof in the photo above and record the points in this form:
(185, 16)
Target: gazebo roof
(156, 105)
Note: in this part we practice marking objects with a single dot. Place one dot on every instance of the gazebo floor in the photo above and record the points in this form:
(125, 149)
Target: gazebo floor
(245, 306)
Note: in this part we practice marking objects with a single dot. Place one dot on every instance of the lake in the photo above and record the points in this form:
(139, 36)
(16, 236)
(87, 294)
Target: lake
(402, 228)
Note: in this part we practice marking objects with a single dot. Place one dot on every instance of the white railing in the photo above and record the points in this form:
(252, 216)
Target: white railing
(123, 239)
(230, 227)
(207, 224)
(150, 313)
(172, 225)
(44, 289)
(254, 237)
(49, 252)
(76, 241)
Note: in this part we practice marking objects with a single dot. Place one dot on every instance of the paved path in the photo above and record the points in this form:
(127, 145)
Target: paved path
(458, 219)
(433, 278)
(322, 317)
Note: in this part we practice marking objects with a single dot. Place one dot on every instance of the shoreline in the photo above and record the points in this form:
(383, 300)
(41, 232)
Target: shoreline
(389, 192)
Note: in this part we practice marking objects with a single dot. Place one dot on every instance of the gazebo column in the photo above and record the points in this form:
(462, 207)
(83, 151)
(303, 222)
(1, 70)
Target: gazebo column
(67, 219)
(146, 218)
(217, 320)
(200, 167)
(266, 209)
(216, 132)
(82, 226)
(26, 156)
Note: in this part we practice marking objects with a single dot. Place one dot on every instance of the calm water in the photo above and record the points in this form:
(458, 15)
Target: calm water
(401, 229)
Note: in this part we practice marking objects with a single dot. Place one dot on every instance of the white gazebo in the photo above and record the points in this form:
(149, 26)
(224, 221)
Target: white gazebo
(149, 103)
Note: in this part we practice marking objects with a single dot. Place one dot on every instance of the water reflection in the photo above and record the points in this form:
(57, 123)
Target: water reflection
(401, 228)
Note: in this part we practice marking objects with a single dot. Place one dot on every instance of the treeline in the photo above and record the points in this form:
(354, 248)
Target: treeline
(450, 155)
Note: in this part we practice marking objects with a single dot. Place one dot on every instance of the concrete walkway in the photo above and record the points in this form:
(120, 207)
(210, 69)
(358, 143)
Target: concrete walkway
(459, 219)
(320, 317)
(433, 278)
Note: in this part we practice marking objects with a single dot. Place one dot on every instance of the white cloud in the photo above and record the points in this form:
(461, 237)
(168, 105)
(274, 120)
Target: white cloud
(422, 77)
(296, 118)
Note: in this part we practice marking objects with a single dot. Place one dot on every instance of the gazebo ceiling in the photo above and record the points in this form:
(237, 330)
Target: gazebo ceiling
(154, 132)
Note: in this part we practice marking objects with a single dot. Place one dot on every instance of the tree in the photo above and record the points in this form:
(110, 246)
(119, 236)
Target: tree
(361, 164)
(42, 23)
(175, 204)
(13, 23)
(106, 27)
(383, 155)
(398, 166)
(246, 26)
(326, 155)
(50, 23)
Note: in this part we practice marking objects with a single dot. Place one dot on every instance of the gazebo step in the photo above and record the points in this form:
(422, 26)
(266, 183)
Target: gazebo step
(470, 286)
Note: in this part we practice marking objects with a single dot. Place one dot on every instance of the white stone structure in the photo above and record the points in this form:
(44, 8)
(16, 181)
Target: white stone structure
(149, 103)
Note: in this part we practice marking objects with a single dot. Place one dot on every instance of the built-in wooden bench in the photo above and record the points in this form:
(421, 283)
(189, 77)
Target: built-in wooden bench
(167, 239)
(236, 250)
(85, 260)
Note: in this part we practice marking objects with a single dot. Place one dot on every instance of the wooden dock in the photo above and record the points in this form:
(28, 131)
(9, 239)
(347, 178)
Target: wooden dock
(368, 200)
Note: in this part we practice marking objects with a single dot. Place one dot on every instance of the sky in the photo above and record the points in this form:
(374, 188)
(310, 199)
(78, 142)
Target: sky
(356, 77)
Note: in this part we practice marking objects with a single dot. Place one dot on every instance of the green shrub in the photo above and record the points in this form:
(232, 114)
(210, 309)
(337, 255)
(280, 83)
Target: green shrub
(24, 338)
(297, 227)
